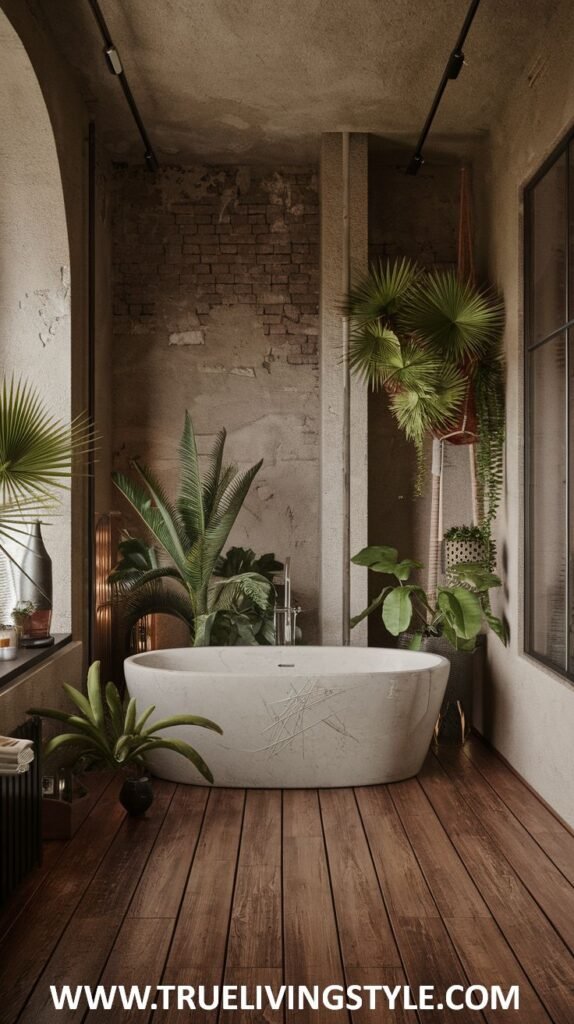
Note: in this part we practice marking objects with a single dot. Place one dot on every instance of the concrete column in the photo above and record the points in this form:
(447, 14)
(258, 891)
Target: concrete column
(344, 253)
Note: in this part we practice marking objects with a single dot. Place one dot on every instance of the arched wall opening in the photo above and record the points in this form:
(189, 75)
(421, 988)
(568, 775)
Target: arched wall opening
(35, 322)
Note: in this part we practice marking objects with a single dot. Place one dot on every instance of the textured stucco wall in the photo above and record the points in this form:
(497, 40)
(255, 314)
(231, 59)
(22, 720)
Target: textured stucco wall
(528, 712)
(216, 311)
(69, 120)
(415, 217)
(35, 325)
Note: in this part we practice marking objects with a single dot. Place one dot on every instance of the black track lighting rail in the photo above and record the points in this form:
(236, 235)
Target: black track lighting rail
(450, 73)
(115, 66)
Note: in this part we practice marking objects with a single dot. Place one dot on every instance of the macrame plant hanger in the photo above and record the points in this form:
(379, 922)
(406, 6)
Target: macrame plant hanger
(464, 431)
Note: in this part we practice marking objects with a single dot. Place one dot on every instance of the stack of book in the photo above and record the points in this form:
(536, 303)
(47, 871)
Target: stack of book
(16, 756)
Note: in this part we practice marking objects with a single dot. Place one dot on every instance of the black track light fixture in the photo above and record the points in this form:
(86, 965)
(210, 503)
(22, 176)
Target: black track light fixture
(115, 66)
(451, 72)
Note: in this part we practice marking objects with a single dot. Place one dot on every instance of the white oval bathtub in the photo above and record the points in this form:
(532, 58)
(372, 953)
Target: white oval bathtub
(294, 716)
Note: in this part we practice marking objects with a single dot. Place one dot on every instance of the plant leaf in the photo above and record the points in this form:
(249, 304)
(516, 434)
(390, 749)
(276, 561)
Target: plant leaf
(180, 747)
(398, 610)
(95, 694)
(377, 556)
(190, 498)
(168, 723)
(462, 611)
(80, 701)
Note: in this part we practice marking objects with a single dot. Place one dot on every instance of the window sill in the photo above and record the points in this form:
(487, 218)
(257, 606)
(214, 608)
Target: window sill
(27, 659)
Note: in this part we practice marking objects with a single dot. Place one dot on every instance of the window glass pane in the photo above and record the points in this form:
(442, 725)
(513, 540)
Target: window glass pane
(547, 561)
(548, 241)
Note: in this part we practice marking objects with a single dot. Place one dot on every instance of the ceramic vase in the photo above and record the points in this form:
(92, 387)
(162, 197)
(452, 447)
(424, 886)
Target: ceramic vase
(36, 589)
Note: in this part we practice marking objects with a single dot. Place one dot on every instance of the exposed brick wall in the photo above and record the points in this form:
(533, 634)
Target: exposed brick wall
(235, 238)
(216, 292)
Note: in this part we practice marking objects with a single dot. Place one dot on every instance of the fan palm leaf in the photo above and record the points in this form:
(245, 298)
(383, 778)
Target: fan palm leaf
(381, 293)
(36, 450)
(413, 368)
(456, 320)
(370, 352)
(421, 411)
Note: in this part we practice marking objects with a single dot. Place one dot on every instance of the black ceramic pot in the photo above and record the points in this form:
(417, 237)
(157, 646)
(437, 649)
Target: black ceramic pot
(136, 795)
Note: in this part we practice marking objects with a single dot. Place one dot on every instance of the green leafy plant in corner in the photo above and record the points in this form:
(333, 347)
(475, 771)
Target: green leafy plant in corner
(191, 532)
(459, 612)
(107, 734)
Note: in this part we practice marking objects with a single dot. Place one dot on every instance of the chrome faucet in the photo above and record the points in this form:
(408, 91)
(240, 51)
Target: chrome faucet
(286, 614)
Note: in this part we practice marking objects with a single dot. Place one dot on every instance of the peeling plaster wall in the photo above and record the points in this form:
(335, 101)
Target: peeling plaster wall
(68, 128)
(35, 323)
(216, 310)
(526, 710)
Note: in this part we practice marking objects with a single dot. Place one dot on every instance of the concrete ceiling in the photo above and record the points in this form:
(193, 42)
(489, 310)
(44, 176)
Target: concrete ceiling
(259, 80)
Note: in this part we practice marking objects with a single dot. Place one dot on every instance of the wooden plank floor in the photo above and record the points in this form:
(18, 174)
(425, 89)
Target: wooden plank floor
(461, 876)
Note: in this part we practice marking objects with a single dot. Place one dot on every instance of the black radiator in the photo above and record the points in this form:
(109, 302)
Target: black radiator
(21, 816)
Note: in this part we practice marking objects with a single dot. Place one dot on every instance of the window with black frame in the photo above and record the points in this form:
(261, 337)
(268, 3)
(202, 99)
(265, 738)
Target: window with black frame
(549, 427)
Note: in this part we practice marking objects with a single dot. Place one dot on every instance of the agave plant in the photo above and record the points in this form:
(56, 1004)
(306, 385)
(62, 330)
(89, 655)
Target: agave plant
(434, 342)
(107, 735)
(191, 533)
(36, 459)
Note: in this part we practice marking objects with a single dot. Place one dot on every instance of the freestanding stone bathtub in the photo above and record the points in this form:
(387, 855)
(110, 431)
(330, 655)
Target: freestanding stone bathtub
(294, 716)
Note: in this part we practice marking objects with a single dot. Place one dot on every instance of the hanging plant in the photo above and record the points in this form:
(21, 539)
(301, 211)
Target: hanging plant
(433, 341)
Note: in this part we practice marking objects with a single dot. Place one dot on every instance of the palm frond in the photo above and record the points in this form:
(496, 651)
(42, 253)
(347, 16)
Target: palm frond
(370, 353)
(381, 293)
(224, 516)
(125, 581)
(37, 451)
(153, 600)
(153, 517)
(420, 411)
(456, 320)
(227, 593)
(413, 368)
(190, 500)
(212, 474)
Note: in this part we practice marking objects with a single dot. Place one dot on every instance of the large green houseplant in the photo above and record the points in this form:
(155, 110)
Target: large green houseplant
(448, 622)
(191, 532)
(105, 734)
(458, 613)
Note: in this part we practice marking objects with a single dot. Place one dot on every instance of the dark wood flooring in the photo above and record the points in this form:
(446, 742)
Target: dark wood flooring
(459, 876)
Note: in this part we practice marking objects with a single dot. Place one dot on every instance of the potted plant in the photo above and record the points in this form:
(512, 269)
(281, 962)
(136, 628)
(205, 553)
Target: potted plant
(108, 735)
(434, 342)
(191, 532)
(21, 616)
(449, 624)
(463, 544)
